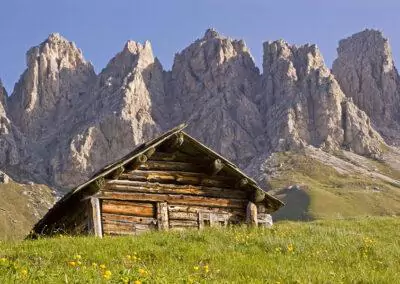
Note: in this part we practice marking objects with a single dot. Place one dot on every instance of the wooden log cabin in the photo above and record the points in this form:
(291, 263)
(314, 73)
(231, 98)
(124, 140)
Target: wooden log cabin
(171, 182)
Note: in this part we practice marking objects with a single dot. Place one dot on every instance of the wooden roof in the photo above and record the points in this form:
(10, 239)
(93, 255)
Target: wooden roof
(271, 202)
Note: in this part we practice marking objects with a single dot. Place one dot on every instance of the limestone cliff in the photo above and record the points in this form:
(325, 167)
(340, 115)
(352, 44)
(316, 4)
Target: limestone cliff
(116, 118)
(56, 79)
(302, 104)
(210, 88)
(10, 139)
(365, 71)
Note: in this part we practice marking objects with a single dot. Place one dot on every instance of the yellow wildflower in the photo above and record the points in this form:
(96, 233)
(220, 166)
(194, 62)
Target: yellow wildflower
(129, 257)
(137, 282)
(94, 264)
(107, 274)
(196, 268)
(206, 269)
(102, 266)
(125, 280)
(78, 262)
(142, 271)
(24, 272)
(78, 256)
(72, 263)
(290, 248)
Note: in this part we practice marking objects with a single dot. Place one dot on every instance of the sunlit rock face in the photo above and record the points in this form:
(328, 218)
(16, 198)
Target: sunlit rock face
(302, 104)
(117, 118)
(56, 78)
(10, 138)
(365, 71)
(210, 87)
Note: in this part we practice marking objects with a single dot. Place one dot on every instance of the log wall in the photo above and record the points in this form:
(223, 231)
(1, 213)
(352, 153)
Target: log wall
(191, 195)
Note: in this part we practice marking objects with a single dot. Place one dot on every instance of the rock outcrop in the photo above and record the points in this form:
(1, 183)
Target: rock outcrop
(210, 88)
(55, 81)
(118, 116)
(10, 138)
(365, 71)
(302, 104)
(3, 95)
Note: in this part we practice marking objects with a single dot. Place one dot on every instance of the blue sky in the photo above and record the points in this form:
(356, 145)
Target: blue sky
(100, 28)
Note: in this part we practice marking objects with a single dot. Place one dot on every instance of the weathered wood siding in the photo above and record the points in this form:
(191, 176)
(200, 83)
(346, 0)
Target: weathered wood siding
(193, 197)
(127, 217)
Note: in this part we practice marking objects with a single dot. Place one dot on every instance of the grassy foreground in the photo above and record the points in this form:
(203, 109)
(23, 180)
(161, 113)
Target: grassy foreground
(343, 251)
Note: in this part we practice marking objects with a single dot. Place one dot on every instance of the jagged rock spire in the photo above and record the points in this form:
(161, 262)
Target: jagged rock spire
(303, 104)
(56, 76)
(366, 73)
(3, 95)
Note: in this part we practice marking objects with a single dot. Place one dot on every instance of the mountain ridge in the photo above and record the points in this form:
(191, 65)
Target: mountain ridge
(75, 115)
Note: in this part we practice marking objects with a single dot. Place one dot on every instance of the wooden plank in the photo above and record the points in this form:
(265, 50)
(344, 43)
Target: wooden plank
(126, 229)
(183, 216)
(216, 166)
(96, 215)
(162, 215)
(136, 163)
(126, 226)
(110, 218)
(148, 187)
(261, 208)
(178, 157)
(171, 166)
(251, 215)
(179, 177)
(174, 199)
(128, 208)
(241, 212)
(242, 183)
(183, 223)
(264, 219)
(116, 173)
(173, 143)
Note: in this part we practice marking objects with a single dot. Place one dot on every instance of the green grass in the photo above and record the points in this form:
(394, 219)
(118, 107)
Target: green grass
(325, 193)
(331, 251)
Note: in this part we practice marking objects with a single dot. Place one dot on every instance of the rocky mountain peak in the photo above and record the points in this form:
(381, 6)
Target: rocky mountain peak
(77, 122)
(210, 87)
(366, 73)
(299, 60)
(136, 48)
(210, 33)
(56, 76)
(118, 115)
(134, 55)
(303, 104)
(3, 95)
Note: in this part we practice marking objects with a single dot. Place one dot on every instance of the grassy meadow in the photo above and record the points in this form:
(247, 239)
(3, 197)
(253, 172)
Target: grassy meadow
(365, 250)
(325, 193)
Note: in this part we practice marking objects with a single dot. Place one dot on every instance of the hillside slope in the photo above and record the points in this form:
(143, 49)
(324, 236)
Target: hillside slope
(318, 185)
(21, 206)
